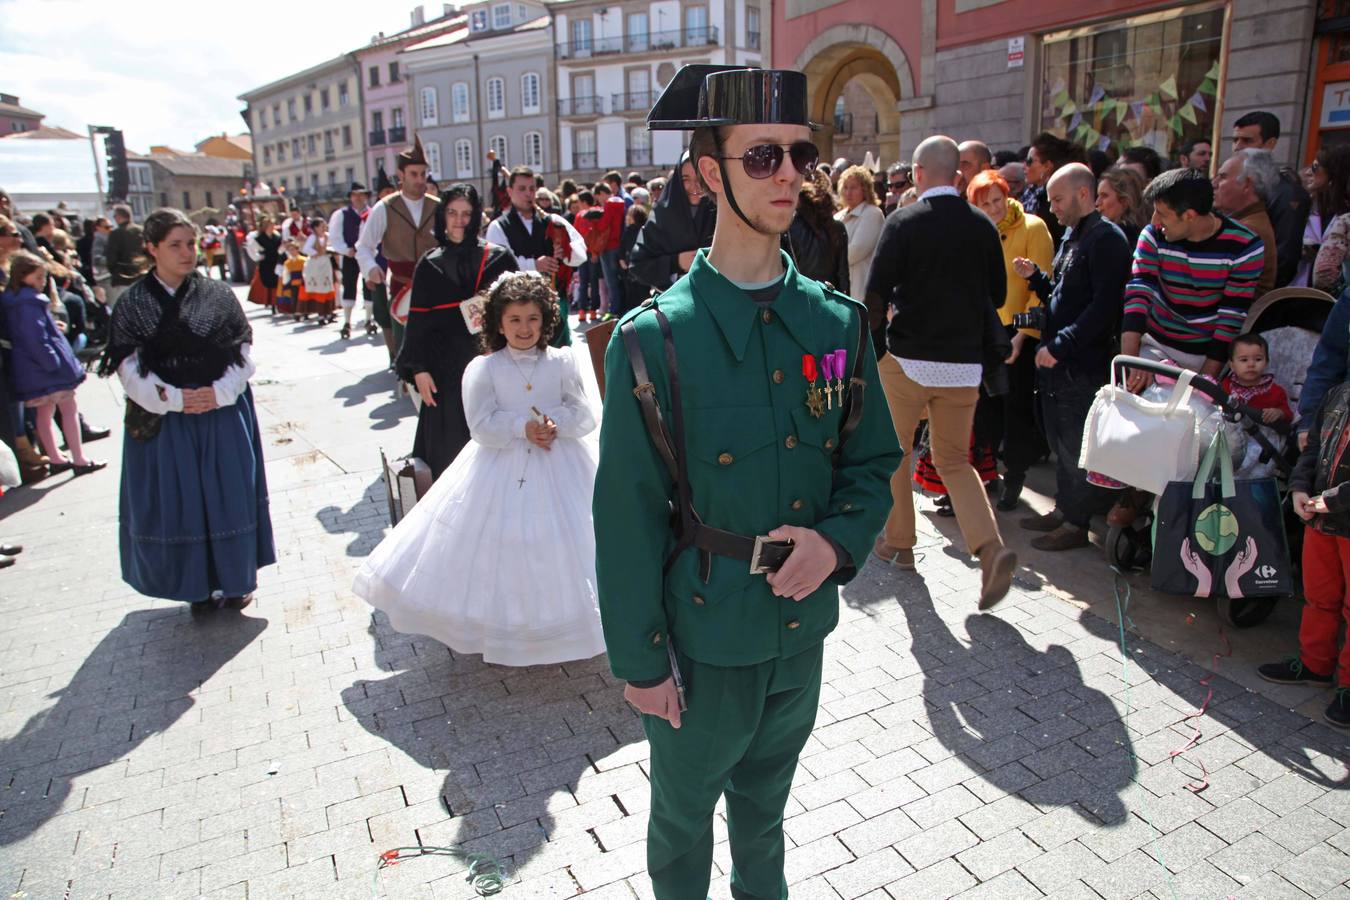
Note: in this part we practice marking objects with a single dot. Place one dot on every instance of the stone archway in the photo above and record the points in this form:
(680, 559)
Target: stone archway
(844, 53)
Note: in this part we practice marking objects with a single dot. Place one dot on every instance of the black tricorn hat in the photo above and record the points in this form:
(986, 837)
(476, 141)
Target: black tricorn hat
(382, 182)
(713, 96)
(357, 188)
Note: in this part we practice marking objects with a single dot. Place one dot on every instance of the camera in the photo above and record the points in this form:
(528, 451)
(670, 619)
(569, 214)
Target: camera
(1034, 318)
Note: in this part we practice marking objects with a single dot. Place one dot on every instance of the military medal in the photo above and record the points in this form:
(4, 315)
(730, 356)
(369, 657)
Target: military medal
(827, 369)
(815, 400)
(840, 367)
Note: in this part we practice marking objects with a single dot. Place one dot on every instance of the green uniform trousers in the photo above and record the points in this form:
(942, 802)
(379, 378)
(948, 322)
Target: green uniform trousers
(742, 734)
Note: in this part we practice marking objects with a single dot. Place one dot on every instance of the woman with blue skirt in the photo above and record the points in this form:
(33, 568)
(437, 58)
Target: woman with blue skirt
(194, 519)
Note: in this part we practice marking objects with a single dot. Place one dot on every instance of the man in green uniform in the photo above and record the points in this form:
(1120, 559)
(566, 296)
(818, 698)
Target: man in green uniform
(774, 447)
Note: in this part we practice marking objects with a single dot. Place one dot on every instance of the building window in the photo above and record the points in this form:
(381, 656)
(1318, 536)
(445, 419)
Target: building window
(309, 104)
(346, 137)
(295, 148)
(163, 198)
(393, 72)
(328, 143)
(323, 99)
(581, 36)
(208, 199)
(529, 94)
(281, 152)
(187, 200)
(695, 26)
(332, 178)
(267, 156)
(463, 158)
(1148, 80)
(284, 186)
(534, 150)
(501, 16)
(639, 39)
(314, 182)
(459, 101)
(396, 117)
(752, 27)
(344, 96)
(377, 120)
(497, 144)
(583, 156)
(276, 114)
(313, 142)
(290, 110)
(427, 105)
(374, 76)
(521, 12)
(478, 22)
(496, 98)
(351, 175)
(639, 146)
(433, 152)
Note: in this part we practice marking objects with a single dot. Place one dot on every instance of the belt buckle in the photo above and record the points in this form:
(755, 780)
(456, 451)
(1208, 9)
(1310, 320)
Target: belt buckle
(756, 567)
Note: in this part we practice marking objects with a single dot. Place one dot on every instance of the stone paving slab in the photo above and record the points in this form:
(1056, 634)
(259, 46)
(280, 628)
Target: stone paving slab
(275, 753)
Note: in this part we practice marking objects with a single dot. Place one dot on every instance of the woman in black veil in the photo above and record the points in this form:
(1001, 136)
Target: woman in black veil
(680, 224)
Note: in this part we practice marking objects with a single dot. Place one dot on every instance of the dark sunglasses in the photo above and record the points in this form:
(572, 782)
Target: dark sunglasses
(899, 185)
(9, 234)
(762, 160)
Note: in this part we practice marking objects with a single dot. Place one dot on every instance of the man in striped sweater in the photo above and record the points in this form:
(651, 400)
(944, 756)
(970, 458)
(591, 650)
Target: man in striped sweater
(1194, 277)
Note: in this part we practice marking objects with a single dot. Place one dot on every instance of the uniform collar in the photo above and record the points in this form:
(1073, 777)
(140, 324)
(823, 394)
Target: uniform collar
(735, 313)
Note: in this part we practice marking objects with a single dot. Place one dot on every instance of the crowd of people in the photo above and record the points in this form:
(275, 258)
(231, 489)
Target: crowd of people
(981, 294)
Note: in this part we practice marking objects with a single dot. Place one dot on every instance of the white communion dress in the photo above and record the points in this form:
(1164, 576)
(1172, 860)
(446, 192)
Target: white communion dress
(499, 557)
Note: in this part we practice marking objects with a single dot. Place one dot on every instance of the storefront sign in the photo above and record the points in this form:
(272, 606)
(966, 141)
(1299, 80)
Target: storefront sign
(1016, 52)
(1336, 105)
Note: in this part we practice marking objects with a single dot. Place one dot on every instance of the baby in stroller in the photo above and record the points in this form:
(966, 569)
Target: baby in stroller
(1249, 384)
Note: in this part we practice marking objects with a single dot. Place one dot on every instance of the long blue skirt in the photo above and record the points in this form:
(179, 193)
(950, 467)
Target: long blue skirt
(194, 516)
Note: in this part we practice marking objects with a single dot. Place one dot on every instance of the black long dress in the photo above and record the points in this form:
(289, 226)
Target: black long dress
(439, 343)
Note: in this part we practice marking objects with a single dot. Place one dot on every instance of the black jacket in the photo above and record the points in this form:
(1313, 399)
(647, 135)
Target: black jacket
(821, 255)
(1085, 297)
(1324, 467)
(1288, 207)
(940, 264)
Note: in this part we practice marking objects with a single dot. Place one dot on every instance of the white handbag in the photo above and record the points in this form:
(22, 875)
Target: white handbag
(1142, 443)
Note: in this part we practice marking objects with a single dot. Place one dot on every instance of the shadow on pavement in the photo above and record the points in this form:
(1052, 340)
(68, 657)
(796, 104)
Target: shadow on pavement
(135, 684)
(1022, 718)
(367, 519)
(512, 742)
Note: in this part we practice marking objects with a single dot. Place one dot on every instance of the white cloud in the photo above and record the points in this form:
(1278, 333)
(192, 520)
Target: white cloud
(168, 72)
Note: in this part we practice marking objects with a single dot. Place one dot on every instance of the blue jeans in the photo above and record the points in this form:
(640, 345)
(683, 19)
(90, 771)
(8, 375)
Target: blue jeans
(1065, 398)
(589, 298)
(609, 265)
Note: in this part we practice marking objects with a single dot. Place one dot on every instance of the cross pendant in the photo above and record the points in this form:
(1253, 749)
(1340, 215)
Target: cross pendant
(520, 484)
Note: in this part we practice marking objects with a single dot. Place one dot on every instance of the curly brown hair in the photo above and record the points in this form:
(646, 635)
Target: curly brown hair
(519, 287)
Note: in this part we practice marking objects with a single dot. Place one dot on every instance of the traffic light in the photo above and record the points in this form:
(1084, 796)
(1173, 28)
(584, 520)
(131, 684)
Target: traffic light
(119, 178)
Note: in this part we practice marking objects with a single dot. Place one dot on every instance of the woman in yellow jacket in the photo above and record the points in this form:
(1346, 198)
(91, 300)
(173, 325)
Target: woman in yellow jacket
(1011, 418)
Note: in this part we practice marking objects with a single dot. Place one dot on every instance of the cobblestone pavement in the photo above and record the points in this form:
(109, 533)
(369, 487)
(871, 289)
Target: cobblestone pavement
(275, 753)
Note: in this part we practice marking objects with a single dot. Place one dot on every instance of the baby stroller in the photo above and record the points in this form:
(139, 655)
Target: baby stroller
(1291, 321)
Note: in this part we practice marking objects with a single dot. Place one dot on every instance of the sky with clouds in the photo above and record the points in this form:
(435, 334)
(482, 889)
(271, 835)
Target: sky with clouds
(169, 71)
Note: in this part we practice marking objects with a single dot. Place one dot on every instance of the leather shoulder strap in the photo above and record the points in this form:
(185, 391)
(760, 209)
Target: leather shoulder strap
(645, 392)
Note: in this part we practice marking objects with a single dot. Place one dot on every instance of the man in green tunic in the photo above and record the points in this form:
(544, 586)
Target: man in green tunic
(779, 431)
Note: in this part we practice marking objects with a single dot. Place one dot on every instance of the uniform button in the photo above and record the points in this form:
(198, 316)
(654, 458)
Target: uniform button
(778, 376)
(846, 506)
(766, 317)
(829, 443)
(726, 459)
(698, 601)
(793, 624)
(791, 441)
(658, 639)
(797, 504)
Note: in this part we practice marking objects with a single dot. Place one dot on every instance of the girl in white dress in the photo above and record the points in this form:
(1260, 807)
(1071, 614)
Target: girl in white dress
(499, 557)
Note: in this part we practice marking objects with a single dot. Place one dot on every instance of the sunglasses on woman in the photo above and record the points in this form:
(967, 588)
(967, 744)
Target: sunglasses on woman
(899, 185)
(762, 160)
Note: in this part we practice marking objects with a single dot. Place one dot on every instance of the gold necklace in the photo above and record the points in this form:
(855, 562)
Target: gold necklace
(529, 386)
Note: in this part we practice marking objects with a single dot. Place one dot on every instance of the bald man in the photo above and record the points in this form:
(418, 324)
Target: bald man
(1083, 296)
(940, 264)
(975, 157)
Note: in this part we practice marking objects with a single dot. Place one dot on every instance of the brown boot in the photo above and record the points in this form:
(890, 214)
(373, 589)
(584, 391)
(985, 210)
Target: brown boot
(28, 454)
(1128, 507)
(894, 556)
(997, 564)
(1046, 523)
(1065, 537)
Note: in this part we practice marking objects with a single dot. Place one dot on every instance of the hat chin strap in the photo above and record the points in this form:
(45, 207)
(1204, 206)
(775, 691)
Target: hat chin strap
(731, 195)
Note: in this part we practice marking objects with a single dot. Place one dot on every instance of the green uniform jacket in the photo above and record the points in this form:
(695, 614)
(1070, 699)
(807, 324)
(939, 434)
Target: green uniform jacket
(757, 459)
